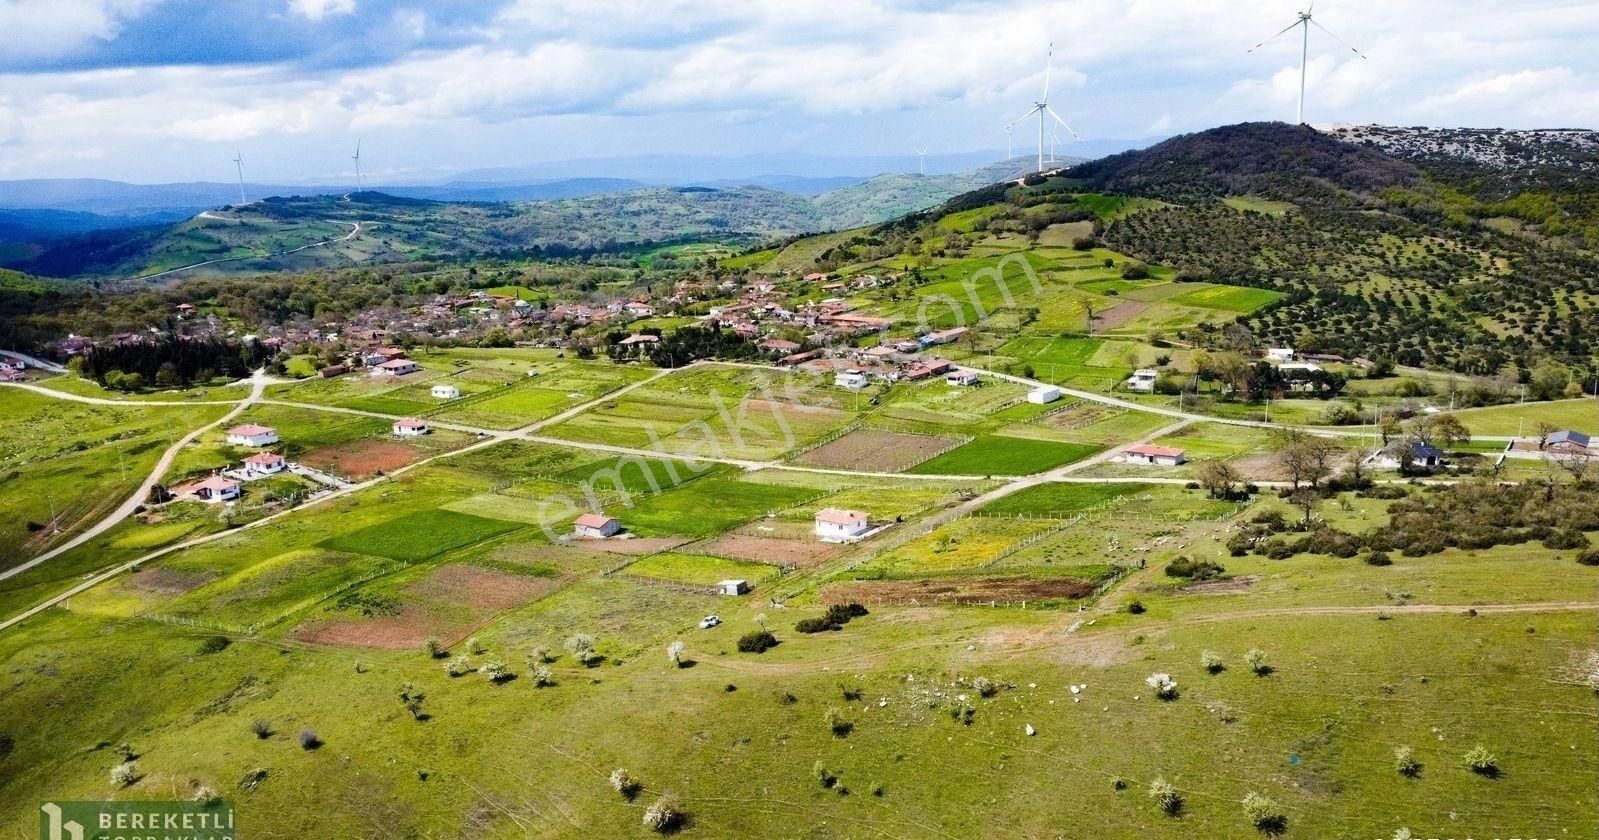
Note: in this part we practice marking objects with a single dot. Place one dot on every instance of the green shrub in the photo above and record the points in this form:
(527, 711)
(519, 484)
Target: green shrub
(1183, 567)
(1378, 558)
(1136, 607)
(756, 641)
(814, 624)
(1481, 761)
(1166, 797)
(1211, 662)
(1566, 538)
(1405, 762)
(1589, 557)
(663, 817)
(214, 644)
(836, 723)
(1264, 814)
(1257, 662)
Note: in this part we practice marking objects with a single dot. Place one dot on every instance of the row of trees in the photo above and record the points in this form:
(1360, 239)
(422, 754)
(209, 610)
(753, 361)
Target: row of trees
(170, 360)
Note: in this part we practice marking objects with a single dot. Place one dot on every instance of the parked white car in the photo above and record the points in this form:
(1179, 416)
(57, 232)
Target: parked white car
(709, 621)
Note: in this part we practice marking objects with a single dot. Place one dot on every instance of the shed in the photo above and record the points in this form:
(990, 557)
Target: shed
(410, 427)
(595, 526)
(446, 392)
(835, 525)
(1043, 394)
(734, 586)
(250, 434)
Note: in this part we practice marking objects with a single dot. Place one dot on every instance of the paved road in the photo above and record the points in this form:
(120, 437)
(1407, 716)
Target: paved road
(63, 395)
(140, 496)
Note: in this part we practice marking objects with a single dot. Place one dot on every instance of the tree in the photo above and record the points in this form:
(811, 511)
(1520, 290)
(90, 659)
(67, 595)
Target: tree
(1219, 478)
(1306, 458)
(1306, 499)
(1390, 428)
(412, 699)
(674, 653)
(1443, 430)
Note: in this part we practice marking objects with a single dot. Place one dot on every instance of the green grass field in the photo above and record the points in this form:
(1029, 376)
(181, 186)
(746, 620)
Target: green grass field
(1228, 298)
(1005, 455)
(418, 536)
(698, 569)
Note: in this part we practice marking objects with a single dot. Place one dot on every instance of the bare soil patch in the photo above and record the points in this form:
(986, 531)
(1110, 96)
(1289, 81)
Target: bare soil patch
(1261, 467)
(167, 581)
(480, 588)
(361, 459)
(805, 554)
(876, 451)
(1119, 314)
(961, 590)
(407, 630)
(1231, 586)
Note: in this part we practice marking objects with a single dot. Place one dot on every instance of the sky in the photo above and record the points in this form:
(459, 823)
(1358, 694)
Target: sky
(170, 90)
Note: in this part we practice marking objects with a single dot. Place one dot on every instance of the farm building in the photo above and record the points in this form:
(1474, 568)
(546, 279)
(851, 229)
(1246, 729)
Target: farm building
(265, 463)
(1151, 455)
(333, 370)
(10, 374)
(1392, 456)
(595, 526)
(961, 377)
(949, 336)
(446, 392)
(250, 434)
(396, 367)
(733, 587)
(1280, 354)
(1143, 379)
(834, 525)
(779, 345)
(1566, 442)
(410, 427)
(927, 367)
(215, 489)
(637, 339)
(1043, 394)
(853, 379)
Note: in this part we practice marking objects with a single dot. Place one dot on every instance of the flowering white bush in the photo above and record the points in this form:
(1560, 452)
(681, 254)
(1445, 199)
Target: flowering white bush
(674, 653)
(1165, 795)
(1164, 686)
(624, 783)
(458, 666)
(124, 774)
(663, 816)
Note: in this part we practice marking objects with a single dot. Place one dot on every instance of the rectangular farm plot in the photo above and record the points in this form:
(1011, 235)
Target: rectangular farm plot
(969, 543)
(1062, 499)
(874, 450)
(447, 603)
(1226, 298)
(709, 506)
(698, 569)
(513, 408)
(420, 535)
(1005, 455)
(278, 587)
(799, 547)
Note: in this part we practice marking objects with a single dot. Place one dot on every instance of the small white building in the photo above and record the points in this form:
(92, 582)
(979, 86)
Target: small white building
(1043, 394)
(852, 379)
(1280, 354)
(215, 489)
(446, 392)
(835, 525)
(251, 434)
(1143, 379)
(265, 463)
(595, 526)
(1148, 454)
(965, 378)
(396, 367)
(410, 427)
(733, 587)
(1392, 456)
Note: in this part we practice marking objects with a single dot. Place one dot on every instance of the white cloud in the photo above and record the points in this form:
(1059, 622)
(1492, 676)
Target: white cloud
(50, 28)
(319, 9)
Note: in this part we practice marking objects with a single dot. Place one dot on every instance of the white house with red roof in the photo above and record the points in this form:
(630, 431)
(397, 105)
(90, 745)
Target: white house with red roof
(251, 434)
(264, 463)
(595, 526)
(214, 490)
(1148, 454)
(409, 427)
(396, 367)
(835, 525)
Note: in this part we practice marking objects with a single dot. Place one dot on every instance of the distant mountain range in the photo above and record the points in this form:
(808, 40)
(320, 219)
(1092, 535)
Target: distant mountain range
(572, 216)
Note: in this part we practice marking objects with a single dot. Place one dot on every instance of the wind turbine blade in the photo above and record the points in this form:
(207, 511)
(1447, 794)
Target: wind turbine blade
(1049, 68)
(1338, 39)
(1061, 121)
(1273, 38)
(1031, 111)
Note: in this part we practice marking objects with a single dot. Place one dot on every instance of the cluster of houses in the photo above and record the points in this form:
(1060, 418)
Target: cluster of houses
(12, 370)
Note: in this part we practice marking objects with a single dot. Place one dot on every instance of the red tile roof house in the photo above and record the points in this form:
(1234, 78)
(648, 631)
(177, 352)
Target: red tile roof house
(396, 367)
(250, 434)
(834, 525)
(265, 463)
(1150, 454)
(409, 427)
(595, 526)
(215, 489)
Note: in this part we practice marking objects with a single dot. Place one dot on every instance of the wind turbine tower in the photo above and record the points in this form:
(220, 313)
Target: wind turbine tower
(238, 160)
(1041, 108)
(1304, 21)
(358, 186)
(921, 160)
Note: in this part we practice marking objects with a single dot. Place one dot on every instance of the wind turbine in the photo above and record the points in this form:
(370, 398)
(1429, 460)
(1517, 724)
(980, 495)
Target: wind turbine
(1008, 151)
(1304, 22)
(921, 160)
(358, 165)
(1041, 107)
(238, 160)
(1054, 137)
